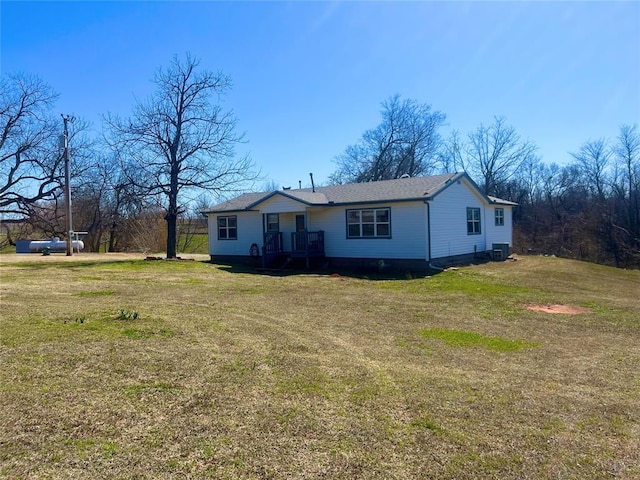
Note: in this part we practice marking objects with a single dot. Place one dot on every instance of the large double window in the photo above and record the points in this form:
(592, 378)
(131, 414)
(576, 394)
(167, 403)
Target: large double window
(228, 227)
(369, 223)
(473, 221)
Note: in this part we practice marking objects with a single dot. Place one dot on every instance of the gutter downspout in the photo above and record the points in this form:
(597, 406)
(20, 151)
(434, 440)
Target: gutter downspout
(486, 226)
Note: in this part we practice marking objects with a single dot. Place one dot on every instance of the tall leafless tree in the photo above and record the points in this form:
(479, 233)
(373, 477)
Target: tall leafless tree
(405, 143)
(627, 155)
(593, 157)
(180, 140)
(29, 156)
(492, 155)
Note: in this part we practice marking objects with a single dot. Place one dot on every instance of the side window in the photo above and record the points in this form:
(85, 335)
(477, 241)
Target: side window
(473, 221)
(228, 228)
(499, 217)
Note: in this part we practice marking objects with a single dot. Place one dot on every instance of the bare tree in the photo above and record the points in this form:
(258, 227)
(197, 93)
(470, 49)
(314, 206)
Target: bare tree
(405, 143)
(492, 155)
(625, 183)
(593, 158)
(270, 186)
(452, 155)
(181, 140)
(29, 158)
(627, 154)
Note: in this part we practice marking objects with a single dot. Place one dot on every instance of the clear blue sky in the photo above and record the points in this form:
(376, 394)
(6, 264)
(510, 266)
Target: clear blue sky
(309, 77)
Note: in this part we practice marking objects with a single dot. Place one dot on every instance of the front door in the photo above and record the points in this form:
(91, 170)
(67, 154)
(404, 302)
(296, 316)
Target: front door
(272, 236)
(300, 238)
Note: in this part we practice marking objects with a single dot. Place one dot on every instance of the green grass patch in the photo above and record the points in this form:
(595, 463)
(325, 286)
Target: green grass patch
(227, 373)
(425, 423)
(461, 338)
(97, 293)
(463, 282)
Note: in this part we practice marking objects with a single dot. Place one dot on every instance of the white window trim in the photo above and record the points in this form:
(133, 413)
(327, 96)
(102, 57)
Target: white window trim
(474, 221)
(375, 223)
(226, 227)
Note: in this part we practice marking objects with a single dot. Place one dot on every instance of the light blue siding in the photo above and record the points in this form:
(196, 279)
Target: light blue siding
(408, 232)
(448, 211)
(449, 222)
(499, 234)
(249, 231)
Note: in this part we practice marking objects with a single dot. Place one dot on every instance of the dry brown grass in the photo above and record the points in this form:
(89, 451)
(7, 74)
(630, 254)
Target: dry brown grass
(234, 375)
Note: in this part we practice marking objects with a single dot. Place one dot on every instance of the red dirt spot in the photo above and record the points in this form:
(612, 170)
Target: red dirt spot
(568, 309)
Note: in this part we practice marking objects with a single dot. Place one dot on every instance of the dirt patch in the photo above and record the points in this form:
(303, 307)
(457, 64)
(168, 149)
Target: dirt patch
(567, 309)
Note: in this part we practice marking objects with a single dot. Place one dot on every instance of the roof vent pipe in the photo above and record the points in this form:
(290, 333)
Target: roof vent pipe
(313, 187)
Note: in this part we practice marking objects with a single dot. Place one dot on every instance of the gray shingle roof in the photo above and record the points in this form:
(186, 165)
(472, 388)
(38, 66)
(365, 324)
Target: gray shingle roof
(413, 188)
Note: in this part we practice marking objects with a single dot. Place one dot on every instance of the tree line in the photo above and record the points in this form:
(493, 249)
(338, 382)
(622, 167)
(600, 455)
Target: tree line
(588, 209)
(146, 168)
(141, 184)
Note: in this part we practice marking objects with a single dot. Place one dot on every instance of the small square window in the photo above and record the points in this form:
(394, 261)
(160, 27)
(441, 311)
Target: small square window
(228, 228)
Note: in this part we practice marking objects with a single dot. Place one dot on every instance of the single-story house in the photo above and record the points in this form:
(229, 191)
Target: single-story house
(406, 223)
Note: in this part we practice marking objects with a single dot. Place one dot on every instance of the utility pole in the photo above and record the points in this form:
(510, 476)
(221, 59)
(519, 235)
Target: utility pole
(67, 184)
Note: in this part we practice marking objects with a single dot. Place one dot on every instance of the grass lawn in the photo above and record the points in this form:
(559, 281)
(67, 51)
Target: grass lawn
(116, 367)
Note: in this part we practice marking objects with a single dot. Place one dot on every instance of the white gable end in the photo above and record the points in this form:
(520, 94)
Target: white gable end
(448, 212)
(280, 204)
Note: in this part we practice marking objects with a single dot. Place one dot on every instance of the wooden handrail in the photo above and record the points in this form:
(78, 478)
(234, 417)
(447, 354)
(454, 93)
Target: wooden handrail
(272, 247)
(307, 242)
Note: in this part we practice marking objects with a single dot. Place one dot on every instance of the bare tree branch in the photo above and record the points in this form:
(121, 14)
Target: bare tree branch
(492, 155)
(29, 157)
(180, 140)
(406, 142)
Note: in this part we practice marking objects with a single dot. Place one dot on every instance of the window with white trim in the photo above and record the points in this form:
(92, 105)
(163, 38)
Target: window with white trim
(369, 223)
(228, 227)
(499, 217)
(272, 222)
(473, 221)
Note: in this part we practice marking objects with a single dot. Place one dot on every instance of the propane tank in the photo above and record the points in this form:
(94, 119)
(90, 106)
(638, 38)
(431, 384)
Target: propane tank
(54, 245)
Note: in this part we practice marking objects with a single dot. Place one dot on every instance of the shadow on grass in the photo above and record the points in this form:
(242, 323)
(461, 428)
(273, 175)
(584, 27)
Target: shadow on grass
(363, 273)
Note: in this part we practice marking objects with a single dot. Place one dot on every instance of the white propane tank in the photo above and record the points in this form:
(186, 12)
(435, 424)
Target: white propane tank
(54, 245)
